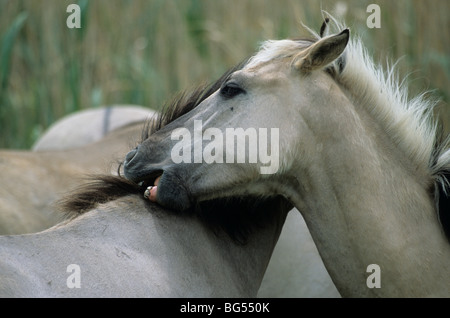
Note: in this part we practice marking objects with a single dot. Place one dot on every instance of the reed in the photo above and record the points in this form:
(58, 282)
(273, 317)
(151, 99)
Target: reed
(142, 52)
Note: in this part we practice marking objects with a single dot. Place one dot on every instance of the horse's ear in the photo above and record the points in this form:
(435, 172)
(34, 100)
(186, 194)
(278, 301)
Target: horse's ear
(322, 53)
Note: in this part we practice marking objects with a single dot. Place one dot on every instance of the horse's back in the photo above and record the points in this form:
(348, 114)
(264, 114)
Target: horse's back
(131, 255)
(90, 125)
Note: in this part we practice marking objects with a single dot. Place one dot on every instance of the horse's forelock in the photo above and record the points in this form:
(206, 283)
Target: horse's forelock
(271, 50)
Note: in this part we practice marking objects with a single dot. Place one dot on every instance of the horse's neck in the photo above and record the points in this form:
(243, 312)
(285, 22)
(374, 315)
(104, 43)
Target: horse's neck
(364, 206)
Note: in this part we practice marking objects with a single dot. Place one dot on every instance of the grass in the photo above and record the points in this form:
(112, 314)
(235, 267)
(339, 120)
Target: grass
(142, 52)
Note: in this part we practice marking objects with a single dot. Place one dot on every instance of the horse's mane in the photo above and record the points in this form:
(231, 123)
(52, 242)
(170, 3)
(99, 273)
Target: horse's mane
(184, 102)
(440, 166)
(409, 122)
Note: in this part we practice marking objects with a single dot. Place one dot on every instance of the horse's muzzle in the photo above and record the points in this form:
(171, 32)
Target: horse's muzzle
(144, 165)
(134, 167)
(139, 170)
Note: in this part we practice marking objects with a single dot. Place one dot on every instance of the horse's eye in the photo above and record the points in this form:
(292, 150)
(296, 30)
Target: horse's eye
(231, 90)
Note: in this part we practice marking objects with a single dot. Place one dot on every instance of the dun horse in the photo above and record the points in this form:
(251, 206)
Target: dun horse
(363, 164)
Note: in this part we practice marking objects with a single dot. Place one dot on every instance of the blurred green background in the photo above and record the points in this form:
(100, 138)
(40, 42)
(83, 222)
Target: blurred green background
(142, 52)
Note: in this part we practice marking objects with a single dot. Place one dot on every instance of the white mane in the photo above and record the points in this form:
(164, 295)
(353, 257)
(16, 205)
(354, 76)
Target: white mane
(409, 122)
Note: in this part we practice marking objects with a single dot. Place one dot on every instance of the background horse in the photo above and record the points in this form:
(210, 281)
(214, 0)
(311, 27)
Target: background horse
(363, 164)
(89, 125)
(33, 181)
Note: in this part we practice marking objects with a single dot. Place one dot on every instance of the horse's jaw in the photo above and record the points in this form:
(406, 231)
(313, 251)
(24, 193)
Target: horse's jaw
(170, 188)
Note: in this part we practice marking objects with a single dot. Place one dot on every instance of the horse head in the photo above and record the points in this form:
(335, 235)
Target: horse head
(243, 139)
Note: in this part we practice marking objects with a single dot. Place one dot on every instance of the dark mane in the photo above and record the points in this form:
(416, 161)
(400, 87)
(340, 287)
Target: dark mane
(98, 189)
(441, 189)
(184, 102)
(235, 216)
(443, 201)
(238, 217)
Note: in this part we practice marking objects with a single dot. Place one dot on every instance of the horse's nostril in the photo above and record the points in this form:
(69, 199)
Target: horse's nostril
(131, 155)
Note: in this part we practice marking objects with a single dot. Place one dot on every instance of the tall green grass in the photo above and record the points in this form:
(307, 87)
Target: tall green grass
(142, 52)
(6, 45)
